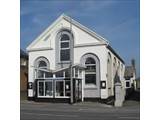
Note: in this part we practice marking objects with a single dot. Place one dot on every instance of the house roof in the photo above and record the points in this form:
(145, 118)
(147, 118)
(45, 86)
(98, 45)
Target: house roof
(129, 71)
(23, 54)
(113, 51)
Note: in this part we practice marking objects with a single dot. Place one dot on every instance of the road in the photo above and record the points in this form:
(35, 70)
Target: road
(80, 111)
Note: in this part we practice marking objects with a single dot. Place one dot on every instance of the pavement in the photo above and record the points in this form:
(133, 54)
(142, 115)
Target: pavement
(80, 111)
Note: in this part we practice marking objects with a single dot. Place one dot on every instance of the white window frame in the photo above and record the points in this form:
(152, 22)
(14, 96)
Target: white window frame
(36, 64)
(44, 82)
(69, 41)
(129, 84)
(91, 85)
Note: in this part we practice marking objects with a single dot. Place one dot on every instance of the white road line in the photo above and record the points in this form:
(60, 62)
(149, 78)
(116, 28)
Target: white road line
(60, 115)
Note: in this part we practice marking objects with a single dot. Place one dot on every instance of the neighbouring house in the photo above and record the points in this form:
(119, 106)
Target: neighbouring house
(130, 76)
(23, 71)
(69, 62)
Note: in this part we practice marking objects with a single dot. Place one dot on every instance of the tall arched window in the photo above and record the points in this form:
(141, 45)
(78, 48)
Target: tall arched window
(118, 68)
(109, 74)
(65, 47)
(121, 67)
(90, 73)
(114, 66)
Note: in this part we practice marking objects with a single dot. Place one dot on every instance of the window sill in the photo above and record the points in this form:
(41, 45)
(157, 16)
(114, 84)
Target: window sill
(128, 87)
(45, 96)
(90, 87)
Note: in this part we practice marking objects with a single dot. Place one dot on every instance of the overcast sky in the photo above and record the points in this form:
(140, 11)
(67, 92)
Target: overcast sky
(116, 20)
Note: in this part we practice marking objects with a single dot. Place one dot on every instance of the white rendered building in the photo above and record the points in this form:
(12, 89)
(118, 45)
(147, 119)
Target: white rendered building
(67, 46)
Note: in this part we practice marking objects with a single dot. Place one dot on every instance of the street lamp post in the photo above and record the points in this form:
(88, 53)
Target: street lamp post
(71, 62)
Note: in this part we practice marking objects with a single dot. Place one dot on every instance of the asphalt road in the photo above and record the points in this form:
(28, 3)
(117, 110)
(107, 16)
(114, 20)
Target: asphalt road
(80, 111)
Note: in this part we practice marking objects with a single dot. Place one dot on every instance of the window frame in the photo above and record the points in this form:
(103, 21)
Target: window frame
(98, 76)
(91, 72)
(64, 89)
(36, 64)
(44, 67)
(128, 84)
(66, 48)
(44, 89)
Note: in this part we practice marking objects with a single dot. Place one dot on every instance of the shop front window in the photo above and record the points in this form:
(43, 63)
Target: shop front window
(45, 88)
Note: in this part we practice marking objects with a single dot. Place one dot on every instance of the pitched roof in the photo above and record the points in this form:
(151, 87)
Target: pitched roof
(129, 71)
(113, 51)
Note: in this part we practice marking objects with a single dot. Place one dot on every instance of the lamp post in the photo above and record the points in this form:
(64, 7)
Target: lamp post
(71, 62)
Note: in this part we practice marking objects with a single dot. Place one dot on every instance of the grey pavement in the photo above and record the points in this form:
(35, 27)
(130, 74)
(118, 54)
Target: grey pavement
(79, 111)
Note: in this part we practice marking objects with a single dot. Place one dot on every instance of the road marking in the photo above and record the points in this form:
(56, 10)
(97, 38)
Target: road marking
(137, 118)
(60, 115)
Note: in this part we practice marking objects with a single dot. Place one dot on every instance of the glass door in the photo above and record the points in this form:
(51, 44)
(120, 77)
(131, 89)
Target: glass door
(40, 88)
(48, 88)
(59, 88)
(62, 89)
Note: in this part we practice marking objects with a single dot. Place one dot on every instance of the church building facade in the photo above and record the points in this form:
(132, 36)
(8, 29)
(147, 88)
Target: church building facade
(70, 62)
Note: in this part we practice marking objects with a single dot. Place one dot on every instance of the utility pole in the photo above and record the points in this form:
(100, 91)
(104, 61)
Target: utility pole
(71, 57)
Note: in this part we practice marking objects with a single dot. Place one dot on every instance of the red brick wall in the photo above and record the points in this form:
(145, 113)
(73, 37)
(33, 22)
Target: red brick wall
(23, 78)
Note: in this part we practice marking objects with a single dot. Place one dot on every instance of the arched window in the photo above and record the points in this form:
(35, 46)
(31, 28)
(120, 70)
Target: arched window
(121, 67)
(118, 68)
(64, 47)
(114, 66)
(114, 63)
(90, 72)
(44, 87)
(91, 75)
(41, 63)
(109, 74)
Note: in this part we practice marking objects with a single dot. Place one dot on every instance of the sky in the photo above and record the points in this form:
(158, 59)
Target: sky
(116, 20)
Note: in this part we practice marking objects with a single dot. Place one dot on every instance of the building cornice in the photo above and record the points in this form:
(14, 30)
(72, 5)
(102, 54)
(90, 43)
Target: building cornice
(40, 49)
(89, 45)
